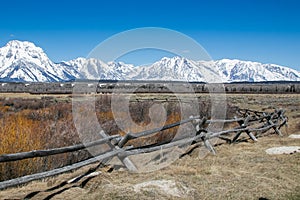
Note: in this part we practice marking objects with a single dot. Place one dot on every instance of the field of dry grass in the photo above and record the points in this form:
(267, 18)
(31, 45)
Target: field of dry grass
(238, 171)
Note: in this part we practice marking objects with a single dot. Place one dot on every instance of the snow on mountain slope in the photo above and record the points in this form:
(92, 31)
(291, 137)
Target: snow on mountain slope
(182, 69)
(23, 61)
(237, 70)
(94, 69)
(178, 69)
(125, 71)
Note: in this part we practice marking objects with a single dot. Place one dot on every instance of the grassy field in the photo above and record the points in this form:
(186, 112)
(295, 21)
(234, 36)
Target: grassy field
(238, 171)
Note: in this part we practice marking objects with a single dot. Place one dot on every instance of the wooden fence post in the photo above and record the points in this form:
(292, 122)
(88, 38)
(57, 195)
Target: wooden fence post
(266, 121)
(125, 160)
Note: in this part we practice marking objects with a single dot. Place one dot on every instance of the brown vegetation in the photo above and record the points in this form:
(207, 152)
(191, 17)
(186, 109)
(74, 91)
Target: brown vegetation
(31, 124)
(238, 171)
(43, 123)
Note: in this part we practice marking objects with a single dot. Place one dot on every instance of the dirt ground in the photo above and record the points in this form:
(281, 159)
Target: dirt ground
(238, 171)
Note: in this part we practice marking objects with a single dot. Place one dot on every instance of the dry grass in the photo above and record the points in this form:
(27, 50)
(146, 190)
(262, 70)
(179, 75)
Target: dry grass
(241, 171)
(238, 171)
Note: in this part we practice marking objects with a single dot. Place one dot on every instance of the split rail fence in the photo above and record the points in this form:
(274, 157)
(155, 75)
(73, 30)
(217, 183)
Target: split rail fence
(253, 123)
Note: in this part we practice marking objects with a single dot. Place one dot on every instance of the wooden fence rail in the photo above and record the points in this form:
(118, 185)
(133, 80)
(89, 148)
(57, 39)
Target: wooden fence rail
(253, 123)
(32, 177)
(49, 152)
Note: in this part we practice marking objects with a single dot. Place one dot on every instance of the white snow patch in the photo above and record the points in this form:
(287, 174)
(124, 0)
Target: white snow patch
(283, 150)
(295, 136)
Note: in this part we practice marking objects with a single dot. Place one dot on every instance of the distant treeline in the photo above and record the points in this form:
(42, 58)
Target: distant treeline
(147, 87)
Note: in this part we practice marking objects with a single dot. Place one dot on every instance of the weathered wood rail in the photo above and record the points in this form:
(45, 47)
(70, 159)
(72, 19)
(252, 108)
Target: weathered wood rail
(253, 123)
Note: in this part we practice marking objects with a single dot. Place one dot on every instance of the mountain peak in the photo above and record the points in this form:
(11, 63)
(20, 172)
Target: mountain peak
(176, 60)
(24, 61)
(23, 45)
(22, 50)
(19, 43)
(15, 51)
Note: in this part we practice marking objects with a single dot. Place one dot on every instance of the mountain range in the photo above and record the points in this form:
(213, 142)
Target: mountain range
(23, 61)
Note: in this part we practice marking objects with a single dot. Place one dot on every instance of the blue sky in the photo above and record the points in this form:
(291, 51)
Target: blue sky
(267, 31)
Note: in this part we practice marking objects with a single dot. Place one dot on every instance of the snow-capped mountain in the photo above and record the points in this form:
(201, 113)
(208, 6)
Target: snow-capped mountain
(179, 69)
(182, 69)
(237, 70)
(23, 61)
(94, 69)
